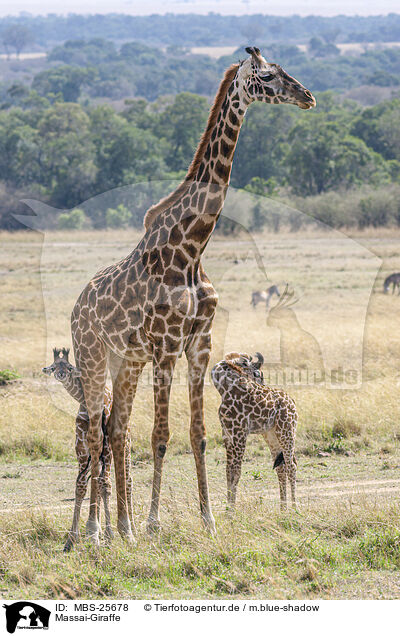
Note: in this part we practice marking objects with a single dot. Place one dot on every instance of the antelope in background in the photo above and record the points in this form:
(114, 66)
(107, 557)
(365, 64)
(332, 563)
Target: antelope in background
(264, 296)
(394, 280)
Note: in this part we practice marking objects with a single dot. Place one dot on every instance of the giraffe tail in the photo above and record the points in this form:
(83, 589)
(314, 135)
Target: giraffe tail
(279, 459)
(104, 428)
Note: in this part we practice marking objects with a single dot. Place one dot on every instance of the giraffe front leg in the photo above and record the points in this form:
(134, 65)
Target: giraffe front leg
(125, 376)
(282, 479)
(105, 487)
(162, 378)
(198, 356)
(95, 442)
(129, 484)
(275, 446)
(235, 446)
(80, 492)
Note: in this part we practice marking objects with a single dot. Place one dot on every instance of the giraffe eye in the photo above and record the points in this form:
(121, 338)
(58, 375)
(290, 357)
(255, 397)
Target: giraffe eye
(267, 78)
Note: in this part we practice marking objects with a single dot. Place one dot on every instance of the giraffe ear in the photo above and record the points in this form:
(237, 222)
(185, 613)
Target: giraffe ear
(255, 54)
(260, 361)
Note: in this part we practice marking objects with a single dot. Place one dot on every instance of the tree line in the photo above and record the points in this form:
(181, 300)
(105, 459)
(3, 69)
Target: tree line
(96, 68)
(65, 152)
(206, 30)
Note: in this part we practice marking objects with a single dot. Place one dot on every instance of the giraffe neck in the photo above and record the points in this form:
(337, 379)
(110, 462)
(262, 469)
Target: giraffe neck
(187, 217)
(202, 202)
(216, 164)
(74, 387)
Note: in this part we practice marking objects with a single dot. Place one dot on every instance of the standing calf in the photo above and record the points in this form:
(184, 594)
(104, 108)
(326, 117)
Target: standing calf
(69, 376)
(249, 406)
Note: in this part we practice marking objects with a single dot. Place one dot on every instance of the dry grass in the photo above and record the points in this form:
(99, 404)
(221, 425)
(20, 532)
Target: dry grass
(258, 551)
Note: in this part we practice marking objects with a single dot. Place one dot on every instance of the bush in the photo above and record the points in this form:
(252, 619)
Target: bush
(118, 217)
(73, 220)
(7, 376)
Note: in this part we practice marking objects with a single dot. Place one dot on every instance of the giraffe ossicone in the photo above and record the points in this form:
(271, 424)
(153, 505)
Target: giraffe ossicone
(158, 303)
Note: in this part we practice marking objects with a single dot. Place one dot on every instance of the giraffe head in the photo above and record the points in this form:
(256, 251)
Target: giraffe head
(263, 81)
(61, 368)
(237, 366)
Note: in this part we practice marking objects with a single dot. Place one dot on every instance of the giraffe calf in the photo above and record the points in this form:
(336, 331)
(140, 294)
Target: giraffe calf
(249, 406)
(69, 376)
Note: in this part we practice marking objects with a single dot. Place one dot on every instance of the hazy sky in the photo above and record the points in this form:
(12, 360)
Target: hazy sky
(227, 7)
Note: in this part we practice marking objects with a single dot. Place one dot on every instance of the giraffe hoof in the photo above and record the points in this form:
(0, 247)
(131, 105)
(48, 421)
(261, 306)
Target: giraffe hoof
(70, 542)
(92, 534)
(124, 529)
(209, 524)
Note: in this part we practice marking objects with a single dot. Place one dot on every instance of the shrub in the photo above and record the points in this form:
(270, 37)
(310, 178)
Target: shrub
(118, 217)
(73, 220)
(7, 376)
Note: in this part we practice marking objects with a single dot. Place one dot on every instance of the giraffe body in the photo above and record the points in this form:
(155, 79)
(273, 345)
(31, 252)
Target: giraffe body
(158, 303)
(69, 376)
(250, 407)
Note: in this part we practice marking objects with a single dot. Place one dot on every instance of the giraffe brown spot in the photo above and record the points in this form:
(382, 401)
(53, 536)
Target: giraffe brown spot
(166, 256)
(201, 229)
(230, 132)
(175, 236)
(226, 149)
(222, 170)
(179, 260)
(200, 205)
(173, 278)
(158, 325)
(233, 119)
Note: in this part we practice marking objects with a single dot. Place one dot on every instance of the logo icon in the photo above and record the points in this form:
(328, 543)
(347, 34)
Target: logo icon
(26, 615)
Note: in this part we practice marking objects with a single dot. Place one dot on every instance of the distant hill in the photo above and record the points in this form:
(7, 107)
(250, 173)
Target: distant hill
(207, 30)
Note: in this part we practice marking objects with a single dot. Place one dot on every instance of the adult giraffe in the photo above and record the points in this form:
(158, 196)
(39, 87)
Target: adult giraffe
(157, 302)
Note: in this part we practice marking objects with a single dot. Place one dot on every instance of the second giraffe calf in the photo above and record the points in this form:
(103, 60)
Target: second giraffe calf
(249, 406)
(69, 376)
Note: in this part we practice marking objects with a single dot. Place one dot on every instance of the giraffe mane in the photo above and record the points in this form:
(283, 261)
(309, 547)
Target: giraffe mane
(155, 210)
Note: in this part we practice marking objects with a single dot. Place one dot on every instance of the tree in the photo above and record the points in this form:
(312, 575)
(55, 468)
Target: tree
(324, 156)
(64, 80)
(181, 124)
(263, 145)
(118, 217)
(73, 220)
(16, 37)
(68, 167)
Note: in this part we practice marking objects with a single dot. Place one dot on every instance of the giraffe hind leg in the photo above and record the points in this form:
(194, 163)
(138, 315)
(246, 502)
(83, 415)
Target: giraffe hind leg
(80, 492)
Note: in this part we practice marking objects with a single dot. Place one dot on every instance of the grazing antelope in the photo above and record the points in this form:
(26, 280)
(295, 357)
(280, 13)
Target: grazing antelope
(264, 296)
(69, 376)
(249, 406)
(394, 280)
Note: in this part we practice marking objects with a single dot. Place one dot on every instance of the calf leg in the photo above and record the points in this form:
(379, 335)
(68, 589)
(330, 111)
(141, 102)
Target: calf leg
(235, 447)
(83, 456)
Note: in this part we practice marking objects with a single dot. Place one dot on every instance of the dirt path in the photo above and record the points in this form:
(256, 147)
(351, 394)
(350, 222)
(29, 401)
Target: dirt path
(50, 486)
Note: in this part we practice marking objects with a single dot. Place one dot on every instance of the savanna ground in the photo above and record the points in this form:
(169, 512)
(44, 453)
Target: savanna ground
(343, 542)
